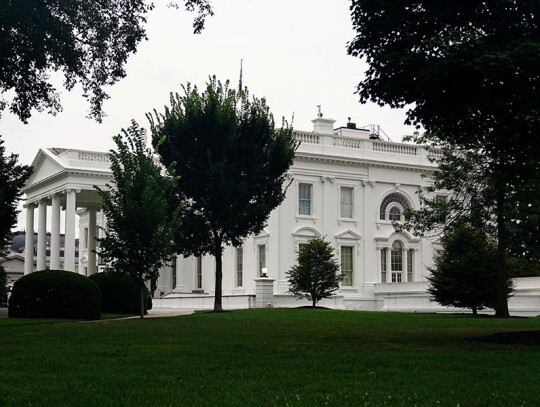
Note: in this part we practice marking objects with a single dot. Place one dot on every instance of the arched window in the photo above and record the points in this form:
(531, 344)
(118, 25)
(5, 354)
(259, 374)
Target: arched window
(392, 207)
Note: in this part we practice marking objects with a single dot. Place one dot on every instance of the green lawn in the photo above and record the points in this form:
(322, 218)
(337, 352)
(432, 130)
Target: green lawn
(294, 357)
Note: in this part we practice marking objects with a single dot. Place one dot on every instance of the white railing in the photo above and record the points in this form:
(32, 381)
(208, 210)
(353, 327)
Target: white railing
(394, 148)
(93, 157)
(306, 137)
(434, 154)
(347, 142)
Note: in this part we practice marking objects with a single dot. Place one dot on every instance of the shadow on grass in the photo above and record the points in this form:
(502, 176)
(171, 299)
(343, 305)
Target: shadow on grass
(511, 338)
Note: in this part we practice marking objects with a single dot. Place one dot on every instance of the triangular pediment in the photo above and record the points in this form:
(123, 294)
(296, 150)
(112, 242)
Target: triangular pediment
(348, 235)
(44, 166)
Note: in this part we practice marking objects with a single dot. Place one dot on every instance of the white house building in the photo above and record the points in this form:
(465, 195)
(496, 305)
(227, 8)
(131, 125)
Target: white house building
(346, 184)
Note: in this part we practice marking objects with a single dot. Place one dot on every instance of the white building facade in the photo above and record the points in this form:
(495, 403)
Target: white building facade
(346, 185)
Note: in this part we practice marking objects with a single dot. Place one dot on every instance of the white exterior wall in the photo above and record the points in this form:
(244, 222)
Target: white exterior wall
(327, 159)
(345, 158)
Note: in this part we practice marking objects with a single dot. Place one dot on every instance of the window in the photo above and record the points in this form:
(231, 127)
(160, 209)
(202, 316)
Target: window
(304, 199)
(384, 264)
(396, 261)
(394, 214)
(346, 202)
(261, 258)
(173, 272)
(198, 282)
(347, 265)
(410, 264)
(394, 204)
(441, 199)
(239, 266)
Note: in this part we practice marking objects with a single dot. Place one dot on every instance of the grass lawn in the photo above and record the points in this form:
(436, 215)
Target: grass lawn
(293, 357)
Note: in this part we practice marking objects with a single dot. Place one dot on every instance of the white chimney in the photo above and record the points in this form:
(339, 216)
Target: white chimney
(322, 125)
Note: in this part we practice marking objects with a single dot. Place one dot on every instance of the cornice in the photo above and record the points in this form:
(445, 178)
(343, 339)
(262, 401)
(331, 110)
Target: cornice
(65, 174)
(364, 162)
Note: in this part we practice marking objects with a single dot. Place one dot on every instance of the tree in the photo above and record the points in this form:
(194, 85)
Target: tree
(88, 41)
(316, 276)
(12, 179)
(465, 273)
(141, 224)
(469, 73)
(3, 287)
(231, 163)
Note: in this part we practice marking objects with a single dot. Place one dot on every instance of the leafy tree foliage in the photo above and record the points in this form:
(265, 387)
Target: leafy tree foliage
(88, 41)
(231, 163)
(3, 287)
(465, 273)
(469, 73)
(141, 225)
(12, 179)
(316, 276)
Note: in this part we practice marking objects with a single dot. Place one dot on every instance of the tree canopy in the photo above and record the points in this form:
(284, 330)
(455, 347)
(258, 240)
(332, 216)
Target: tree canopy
(87, 41)
(469, 72)
(316, 276)
(231, 164)
(12, 179)
(465, 272)
(141, 224)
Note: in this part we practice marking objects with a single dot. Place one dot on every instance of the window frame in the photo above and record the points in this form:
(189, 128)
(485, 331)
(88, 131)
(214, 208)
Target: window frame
(263, 264)
(352, 216)
(390, 201)
(299, 199)
(239, 266)
(352, 264)
(174, 280)
(198, 273)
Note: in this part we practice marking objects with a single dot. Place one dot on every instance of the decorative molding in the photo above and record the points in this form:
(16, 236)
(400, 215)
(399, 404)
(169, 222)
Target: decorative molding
(94, 156)
(329, 179)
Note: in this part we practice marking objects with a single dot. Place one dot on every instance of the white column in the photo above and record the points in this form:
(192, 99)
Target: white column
(29, 240)
(180, 274)
(42, 236)
(54, 257)
(92, 241)
(69, 244)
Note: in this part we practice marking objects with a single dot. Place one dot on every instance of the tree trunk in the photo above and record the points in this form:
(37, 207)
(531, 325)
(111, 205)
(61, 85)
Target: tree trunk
(314, 302)
(474, 311)
(501, 306)
(218, 254)
(141, 299)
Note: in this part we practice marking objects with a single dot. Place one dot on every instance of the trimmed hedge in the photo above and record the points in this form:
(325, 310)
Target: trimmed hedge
(120, 293)
(55, 294)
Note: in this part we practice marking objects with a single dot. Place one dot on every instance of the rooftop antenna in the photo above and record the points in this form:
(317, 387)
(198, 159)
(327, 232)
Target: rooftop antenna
(240, 79)
(320, 113)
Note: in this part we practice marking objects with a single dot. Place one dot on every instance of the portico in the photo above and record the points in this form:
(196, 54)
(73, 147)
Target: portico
(61, 186)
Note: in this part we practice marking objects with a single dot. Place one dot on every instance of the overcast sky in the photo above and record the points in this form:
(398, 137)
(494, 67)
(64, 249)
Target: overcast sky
(294, 54)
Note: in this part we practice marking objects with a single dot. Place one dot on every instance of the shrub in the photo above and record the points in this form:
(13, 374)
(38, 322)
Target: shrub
(317, 274)
(55, 294)
(465, 272)
(120, 293)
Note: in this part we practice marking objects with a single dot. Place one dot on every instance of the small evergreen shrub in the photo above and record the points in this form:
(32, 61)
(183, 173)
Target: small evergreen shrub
(55, 294)
(120, 293)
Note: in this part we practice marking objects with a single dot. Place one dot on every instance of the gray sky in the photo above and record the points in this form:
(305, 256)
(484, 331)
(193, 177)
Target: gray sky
(294, 54)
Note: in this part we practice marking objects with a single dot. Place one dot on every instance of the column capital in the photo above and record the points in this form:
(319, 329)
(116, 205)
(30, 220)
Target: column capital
(30, 205)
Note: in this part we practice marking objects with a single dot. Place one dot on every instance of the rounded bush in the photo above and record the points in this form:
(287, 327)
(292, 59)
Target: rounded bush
(120, 293)
(55, 294)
